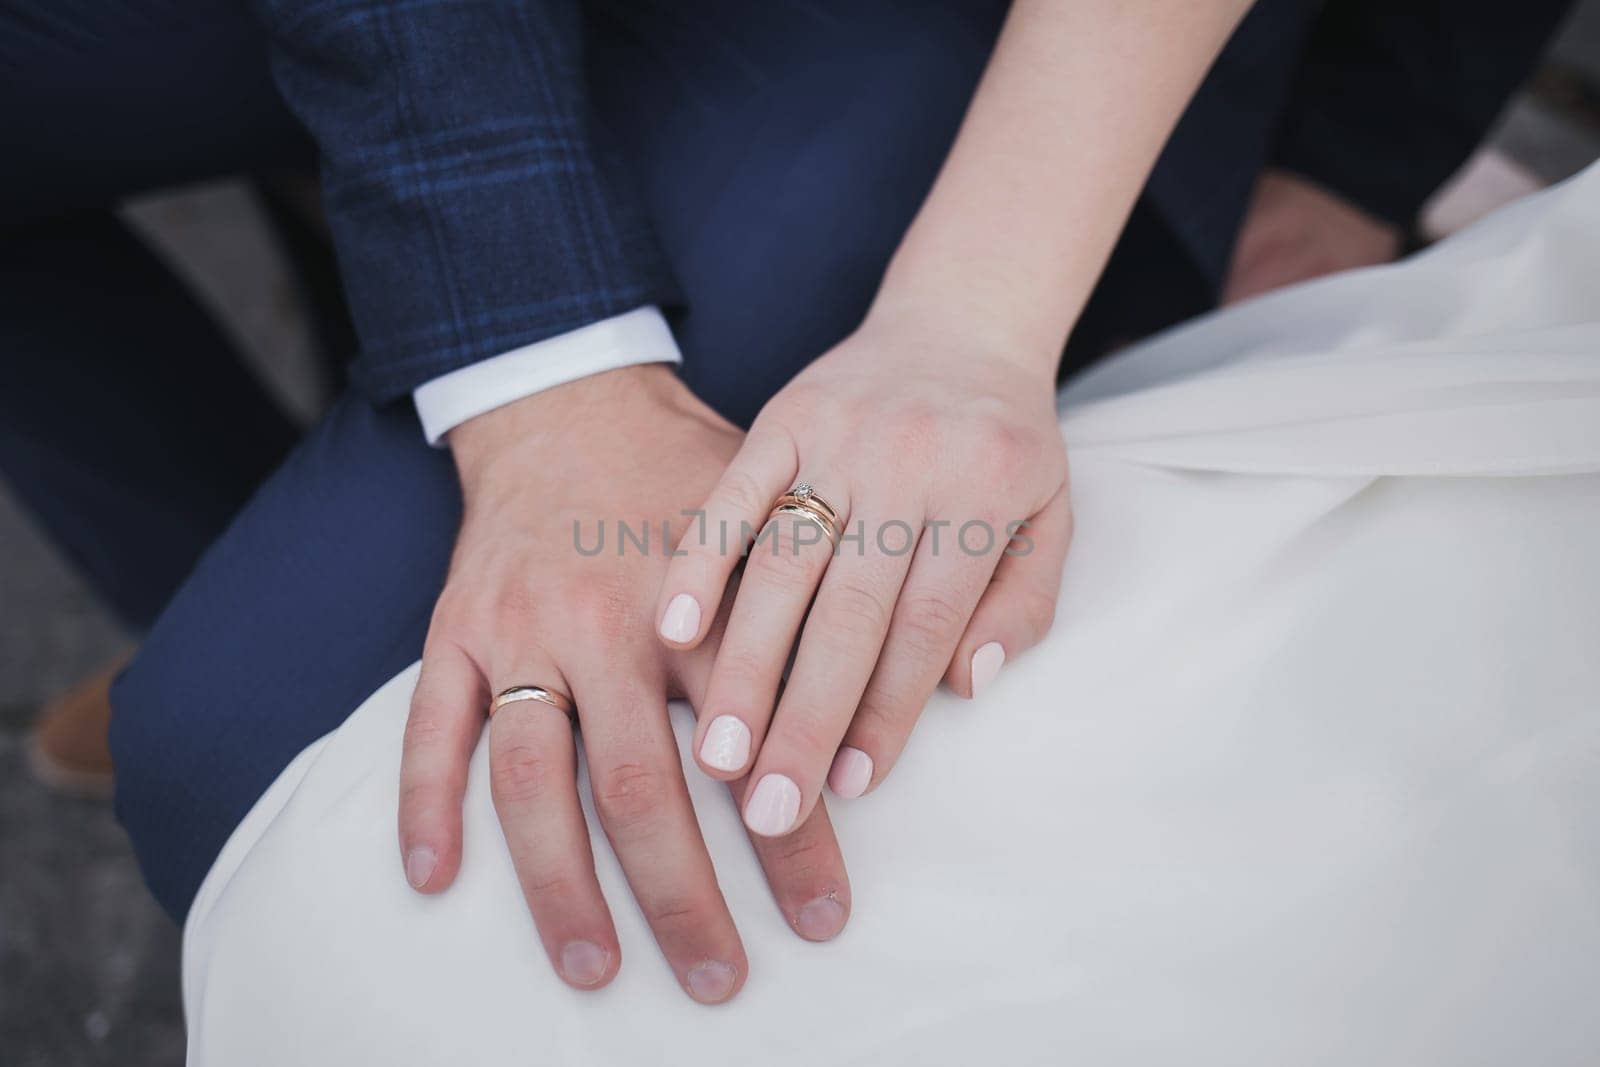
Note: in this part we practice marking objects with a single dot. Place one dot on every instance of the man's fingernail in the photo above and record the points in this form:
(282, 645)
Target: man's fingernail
(420, 862)
(711, 982)
(820, 919)
(772, 806)
(851, 773)
(681, 620)
(727, 743)
(986, 664)
(583, 962)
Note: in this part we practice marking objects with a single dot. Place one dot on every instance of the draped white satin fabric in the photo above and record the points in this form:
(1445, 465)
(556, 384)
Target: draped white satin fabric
(1308, 771)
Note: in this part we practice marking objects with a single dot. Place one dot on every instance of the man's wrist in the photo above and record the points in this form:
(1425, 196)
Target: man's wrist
(633, 337)
(611, 402)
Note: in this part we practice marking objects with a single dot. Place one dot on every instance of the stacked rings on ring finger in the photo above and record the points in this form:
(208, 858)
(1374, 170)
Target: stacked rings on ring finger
(803, 502)
(560, 701)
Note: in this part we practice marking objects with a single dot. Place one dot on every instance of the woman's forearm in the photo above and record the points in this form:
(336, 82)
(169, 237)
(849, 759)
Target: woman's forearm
(1065, 126)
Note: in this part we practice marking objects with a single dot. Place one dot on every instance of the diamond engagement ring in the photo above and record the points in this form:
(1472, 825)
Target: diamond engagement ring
(804, 502)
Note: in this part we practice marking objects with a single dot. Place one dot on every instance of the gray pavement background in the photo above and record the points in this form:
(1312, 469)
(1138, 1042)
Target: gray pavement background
(88, 964)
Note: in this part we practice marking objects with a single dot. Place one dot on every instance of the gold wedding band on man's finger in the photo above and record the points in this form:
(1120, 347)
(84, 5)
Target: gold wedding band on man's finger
(517, 693)
(533, 783)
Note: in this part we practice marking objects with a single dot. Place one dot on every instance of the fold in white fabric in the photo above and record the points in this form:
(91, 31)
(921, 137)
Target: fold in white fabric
(1306, 772)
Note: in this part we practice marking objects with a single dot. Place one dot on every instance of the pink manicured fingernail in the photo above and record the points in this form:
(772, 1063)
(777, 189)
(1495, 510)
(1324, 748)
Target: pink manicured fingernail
(420, 862)
(711, 982)
(820, 919)
(681, 621)
(727, 744)
(583, 962)
(986, 664)
(851, 773)
(772, 806)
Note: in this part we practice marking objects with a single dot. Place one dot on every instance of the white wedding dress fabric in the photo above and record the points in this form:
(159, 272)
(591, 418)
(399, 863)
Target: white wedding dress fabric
(1308, 771)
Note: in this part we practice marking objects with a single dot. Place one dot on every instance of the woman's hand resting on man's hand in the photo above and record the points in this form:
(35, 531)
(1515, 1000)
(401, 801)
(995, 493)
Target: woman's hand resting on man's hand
(931, 432)
(932, 453)
(524, 607)
(934, 457)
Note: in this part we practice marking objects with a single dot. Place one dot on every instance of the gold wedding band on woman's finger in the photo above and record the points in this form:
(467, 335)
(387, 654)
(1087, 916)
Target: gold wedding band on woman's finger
(517, 693)
(803, 502)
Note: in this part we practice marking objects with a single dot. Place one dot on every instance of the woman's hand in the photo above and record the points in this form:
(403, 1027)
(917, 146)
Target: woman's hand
(933, 453)
(908, 423)
(528, 602)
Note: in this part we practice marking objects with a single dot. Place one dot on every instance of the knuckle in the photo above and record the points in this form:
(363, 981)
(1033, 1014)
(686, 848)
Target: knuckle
(1005, 450)
(802, 856)
(807, 732)
(602, 612)
(1005, 442)
(780, 563)
(519, 773)
(741, 494)
(876, 718)
(419, 799)
(857, 612)
(744, 672)
(887, 712)
(515, 604)
(629, 796)
(425, 729)
(930, 624)
(917, 427)
(572, 599)
(551, 888)
(674, 913)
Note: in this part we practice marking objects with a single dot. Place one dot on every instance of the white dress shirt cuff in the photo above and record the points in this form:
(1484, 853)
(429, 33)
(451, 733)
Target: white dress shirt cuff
(637, 336)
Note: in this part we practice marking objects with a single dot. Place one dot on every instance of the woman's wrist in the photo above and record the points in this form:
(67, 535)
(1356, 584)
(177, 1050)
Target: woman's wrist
(963, 326)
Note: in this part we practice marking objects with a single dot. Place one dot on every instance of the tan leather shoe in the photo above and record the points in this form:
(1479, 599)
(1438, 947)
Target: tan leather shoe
(70, 748)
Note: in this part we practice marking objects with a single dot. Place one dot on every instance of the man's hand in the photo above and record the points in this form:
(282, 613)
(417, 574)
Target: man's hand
(529, 602)
(1296, 231)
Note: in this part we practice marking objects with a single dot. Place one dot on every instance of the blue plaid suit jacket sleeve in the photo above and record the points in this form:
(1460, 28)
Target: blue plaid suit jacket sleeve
(476, 206)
